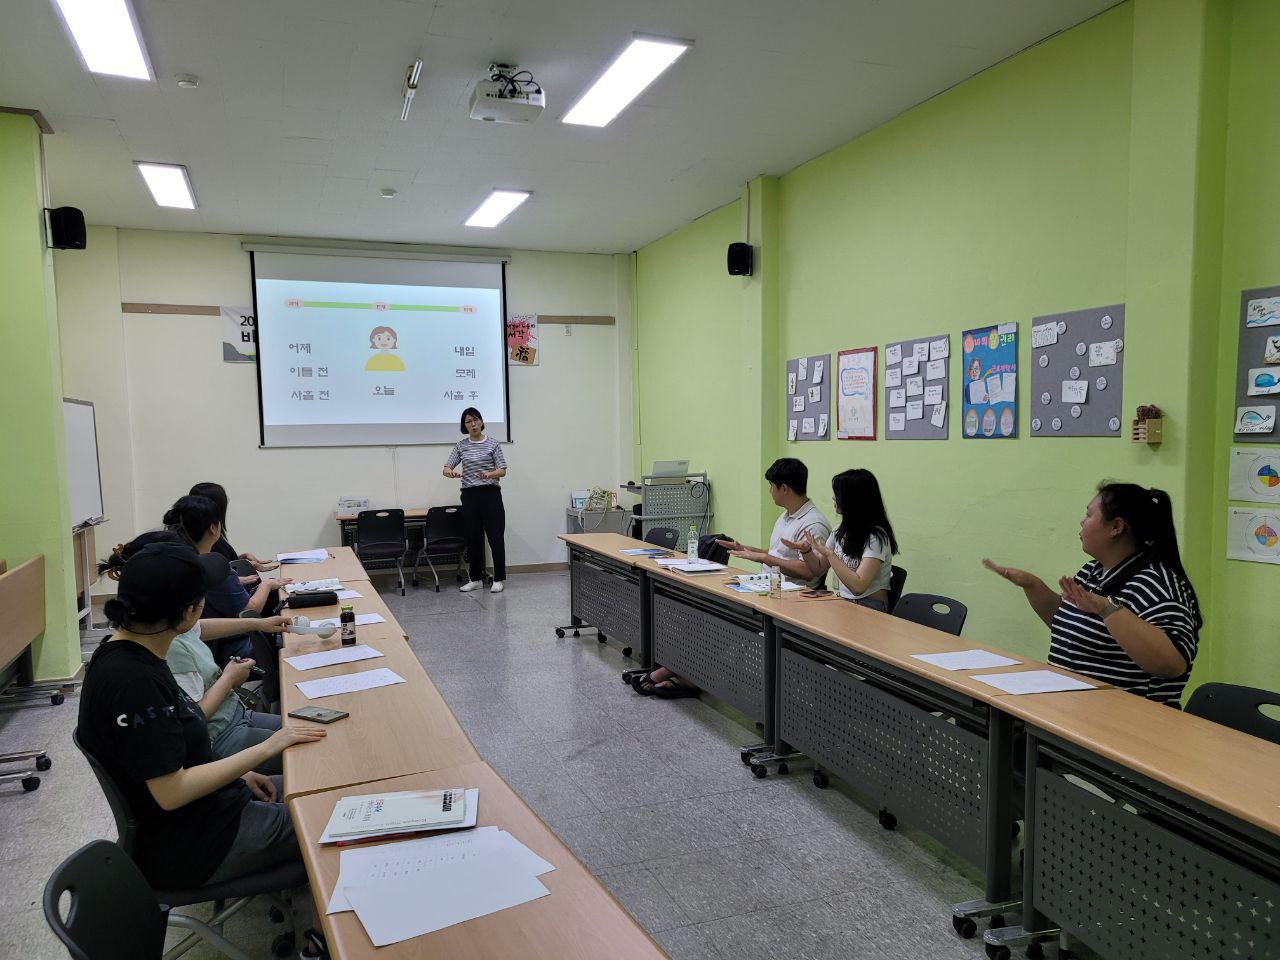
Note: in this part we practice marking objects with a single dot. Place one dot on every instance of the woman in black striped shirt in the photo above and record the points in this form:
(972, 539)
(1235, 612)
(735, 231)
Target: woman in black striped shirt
(483, 465)
(1130, 616)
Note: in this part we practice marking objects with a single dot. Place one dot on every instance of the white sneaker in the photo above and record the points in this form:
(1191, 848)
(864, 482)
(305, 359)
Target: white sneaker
(472, 585)
(497, 586)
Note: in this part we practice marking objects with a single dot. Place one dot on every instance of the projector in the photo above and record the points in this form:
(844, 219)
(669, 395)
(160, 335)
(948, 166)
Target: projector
(505, 97)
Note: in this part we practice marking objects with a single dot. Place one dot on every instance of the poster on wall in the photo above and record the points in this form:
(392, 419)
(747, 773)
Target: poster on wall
(1077, 373)
(239, 335)
(1253, 535)
(1254, 475)
(522, 340)
(856, 394)
(1258, 366)
(990, 382)
(808, 399)
(916, 388)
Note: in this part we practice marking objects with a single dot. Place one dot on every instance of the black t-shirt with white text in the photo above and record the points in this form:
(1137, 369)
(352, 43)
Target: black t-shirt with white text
(136, 721)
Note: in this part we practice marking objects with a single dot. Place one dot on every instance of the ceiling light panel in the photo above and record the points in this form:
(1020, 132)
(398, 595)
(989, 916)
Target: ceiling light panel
(496, 208)
(625, 79)
(169, 184)
(106, 34)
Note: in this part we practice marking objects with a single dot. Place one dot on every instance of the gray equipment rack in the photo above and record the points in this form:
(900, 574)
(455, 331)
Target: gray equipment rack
(678, 504)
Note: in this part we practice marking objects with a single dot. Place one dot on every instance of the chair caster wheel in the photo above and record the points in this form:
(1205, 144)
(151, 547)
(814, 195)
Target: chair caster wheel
(745, 756)
(559, 633)
(601, 638)
(57, 699)
(996, 921)
(888, 820)
(820, 780)
(577, 633)
(760, 772)
(283, 945)
(275, 915)
(30, 783)
(43, 763)
(1035, 952)
(626, 652)
(783, 768)
(964, 927)
(998, 953)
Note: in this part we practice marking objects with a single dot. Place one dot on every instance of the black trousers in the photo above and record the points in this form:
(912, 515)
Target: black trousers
(485, 517)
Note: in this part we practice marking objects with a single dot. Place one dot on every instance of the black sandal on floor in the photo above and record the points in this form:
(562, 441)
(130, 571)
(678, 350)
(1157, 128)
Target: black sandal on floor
(675, 691)
(642, 683)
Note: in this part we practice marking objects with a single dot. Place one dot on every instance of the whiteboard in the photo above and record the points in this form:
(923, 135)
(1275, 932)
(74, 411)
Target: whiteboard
(82, 462)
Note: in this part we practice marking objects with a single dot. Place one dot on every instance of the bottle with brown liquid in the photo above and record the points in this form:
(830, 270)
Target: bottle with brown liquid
(348, 622)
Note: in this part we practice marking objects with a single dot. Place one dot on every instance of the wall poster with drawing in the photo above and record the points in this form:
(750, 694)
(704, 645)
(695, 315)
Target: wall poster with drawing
(990, 382)
(856, 394)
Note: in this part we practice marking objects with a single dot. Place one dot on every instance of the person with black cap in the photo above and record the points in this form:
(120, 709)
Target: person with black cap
(201, 819)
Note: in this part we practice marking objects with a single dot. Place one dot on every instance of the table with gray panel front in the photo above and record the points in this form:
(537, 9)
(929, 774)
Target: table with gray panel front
(608, 591)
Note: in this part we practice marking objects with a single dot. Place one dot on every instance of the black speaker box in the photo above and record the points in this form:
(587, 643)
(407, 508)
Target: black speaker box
(66, 228)
(739, 259)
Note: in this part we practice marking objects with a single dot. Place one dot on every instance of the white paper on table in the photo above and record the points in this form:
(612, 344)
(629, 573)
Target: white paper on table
(935, 370)
(978, 391)
(815, 394)
(304, 556)
(1032, 681)
(910, 366)
(939, 416)
(965, 660)
(938, 349)
(893, 378)
(791, 384)
(797, 403)
(791, 429)
(920, 351)
(822, 425)
(348, 594)
(1044, 334)
(806, 425)
(893, 354)
(348, 683)
(468, 821)
(897, 398)
(1075, 391)
(362, 620)
(329, 583)
(1102, 354)
(327, 658)
(915, 410)
(802, 368)
(818, 367)
(933, 394)
(897, 421)
(392, 910)
(915, 386)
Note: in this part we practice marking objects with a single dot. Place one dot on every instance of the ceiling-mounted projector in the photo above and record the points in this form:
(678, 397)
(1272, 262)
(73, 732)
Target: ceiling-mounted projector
(507, 95)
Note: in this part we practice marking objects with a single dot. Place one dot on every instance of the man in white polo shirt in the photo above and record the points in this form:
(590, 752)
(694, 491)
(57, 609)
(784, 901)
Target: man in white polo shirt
(788, 486)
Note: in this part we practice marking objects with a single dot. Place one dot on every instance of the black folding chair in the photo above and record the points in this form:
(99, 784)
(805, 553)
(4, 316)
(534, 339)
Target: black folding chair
(112, 914)
(273, 882)
(1237, 707)
(931, 610)
(897, 580)
(444, 538)
(380, 535)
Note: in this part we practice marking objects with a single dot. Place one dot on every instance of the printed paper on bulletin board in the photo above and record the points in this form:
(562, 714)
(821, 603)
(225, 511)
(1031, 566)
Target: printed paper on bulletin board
(522, 340)
(808, 398)
(1258, 367)
(856, 394)
(1253, 535)
(990, 382)
(916, 388)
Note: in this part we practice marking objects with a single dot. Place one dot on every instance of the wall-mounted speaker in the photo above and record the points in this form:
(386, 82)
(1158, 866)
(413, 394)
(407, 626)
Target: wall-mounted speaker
(739, 259)
(66, 228)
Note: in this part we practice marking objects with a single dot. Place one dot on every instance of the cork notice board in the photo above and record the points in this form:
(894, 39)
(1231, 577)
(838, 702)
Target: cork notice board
(808, 398)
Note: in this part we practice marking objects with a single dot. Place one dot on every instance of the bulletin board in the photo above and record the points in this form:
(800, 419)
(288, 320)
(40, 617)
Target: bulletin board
(856, 394)
(990, 382)
(915, 388)
(808, 400)
(1258, 367)
(1077, 373)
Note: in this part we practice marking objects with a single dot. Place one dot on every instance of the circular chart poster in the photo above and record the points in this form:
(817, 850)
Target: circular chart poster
(1255, 475)
(1253, 535)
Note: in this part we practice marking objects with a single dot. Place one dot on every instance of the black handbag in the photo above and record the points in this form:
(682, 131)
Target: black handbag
(312, 598)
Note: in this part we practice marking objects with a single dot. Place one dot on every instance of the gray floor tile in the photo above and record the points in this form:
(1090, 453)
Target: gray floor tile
(690, 943)
(725, 881)
(661, 829)
(644, 897)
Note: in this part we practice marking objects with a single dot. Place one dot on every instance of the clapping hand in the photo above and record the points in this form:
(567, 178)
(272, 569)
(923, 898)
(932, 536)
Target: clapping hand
(1086, 600)
(1019, 578)
(801, 546)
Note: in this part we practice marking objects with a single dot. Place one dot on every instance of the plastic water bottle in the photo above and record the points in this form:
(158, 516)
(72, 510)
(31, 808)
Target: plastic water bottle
(691, 545)
(775, 583)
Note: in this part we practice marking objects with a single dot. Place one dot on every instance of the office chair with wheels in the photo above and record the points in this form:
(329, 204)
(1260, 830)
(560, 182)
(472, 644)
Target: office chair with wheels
(444, 538)
(923, 608)
(897, 580)
(113, 915)
(1237, 707)
(664, 537)
(273, 882)
(380, 535)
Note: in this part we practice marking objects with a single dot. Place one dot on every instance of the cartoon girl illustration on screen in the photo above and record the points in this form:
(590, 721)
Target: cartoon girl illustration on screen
(383, 339)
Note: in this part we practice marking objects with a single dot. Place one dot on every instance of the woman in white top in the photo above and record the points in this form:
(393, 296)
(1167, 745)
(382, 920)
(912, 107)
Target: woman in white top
(860, 552)
(483, 465)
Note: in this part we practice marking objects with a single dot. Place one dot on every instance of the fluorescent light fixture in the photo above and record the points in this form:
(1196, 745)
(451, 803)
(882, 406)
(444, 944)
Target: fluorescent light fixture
(411, 77)
(169, 184)
(497, 207)
(106, 34)
(625, 79)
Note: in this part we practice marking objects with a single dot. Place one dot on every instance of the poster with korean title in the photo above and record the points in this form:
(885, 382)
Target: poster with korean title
(856, 394)
(522, 340)
(990, 382)
(239, 335)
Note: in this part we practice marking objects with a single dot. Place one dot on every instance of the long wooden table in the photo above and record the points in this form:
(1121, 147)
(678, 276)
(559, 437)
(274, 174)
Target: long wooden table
(580, 920)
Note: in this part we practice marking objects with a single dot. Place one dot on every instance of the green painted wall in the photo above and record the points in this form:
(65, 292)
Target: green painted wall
(1244, 593)
(1087, 170)
(34, 505)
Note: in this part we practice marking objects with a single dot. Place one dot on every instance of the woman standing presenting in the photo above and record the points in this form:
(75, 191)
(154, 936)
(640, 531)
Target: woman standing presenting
(483, 465)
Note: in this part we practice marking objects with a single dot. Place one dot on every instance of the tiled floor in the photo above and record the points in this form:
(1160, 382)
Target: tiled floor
(650, 794)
